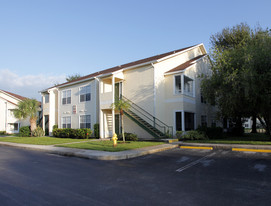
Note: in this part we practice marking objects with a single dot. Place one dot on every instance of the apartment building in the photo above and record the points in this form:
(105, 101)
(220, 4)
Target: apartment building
(8, 102)
(163, 91)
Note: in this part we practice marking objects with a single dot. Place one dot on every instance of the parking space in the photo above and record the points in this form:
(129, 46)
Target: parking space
(173, 177)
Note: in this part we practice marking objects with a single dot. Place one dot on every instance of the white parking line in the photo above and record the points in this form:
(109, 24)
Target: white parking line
(195, 162)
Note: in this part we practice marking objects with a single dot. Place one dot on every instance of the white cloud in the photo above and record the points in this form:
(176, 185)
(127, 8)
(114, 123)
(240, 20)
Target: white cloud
(28, 85)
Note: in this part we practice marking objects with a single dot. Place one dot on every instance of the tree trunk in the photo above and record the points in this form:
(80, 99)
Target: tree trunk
(122, 128)
(33, 124)
(254, 122)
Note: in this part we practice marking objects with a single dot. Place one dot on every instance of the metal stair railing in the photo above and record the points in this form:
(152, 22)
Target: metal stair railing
(157, 124)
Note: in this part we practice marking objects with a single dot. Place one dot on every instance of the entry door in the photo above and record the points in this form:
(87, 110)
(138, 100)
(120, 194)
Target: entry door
(118, 90)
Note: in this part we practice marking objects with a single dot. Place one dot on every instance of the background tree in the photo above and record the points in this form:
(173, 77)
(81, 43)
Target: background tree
(28, 108)
(240, 70)
(121, 105)
(73, 77)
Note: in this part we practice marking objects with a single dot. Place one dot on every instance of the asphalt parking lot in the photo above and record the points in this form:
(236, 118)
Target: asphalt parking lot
(173, 177)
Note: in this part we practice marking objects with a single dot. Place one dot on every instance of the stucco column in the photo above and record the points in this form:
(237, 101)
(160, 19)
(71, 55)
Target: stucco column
(52, 111)
(182, 83)
(113, 111)
(101, 119)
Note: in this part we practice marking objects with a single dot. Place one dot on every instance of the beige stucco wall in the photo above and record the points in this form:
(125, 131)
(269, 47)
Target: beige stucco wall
(8, 103)
(138, 86)
(131, 127)
(82, 108)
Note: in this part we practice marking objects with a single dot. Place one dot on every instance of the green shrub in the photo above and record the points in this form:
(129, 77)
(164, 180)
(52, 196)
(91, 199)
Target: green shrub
(212, 132)
(237, 131)
(194, 135)
(38, 132)
(72, 133)
(55, 126)
(2, 132)
(25, 131)
(128, 137)
(97, 131)
(179, 135)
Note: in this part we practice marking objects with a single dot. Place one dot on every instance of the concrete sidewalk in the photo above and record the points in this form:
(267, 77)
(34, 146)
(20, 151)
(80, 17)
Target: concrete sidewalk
(94, 154)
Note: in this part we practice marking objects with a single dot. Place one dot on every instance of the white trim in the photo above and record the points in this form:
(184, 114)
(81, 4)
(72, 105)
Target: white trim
(180, 52)
(72, 83)
(174, 84)
(11, 96)
(192, 64)
(174, 120)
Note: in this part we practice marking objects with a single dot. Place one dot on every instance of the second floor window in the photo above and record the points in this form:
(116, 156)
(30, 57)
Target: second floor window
(186, 87)
(85, 94)
(178, 84)
(66, 97)
(46, 98)
(66, 122)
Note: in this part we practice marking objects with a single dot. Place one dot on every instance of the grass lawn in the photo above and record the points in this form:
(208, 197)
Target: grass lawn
(248, 138)
(108, 145)
(39, 140)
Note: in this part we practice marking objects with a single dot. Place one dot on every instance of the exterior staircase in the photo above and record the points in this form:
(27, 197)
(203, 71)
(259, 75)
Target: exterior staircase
(148, 122)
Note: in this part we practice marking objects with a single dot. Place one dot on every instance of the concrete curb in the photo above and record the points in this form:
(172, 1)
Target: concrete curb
(94, 154)
(226, 146)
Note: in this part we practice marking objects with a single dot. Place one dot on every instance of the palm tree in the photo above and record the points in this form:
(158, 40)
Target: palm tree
(28, 108)
(121, 105)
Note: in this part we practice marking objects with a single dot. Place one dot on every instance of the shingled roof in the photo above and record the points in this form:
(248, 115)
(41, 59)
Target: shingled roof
(15, 95)
(134, 63)
(185, 65)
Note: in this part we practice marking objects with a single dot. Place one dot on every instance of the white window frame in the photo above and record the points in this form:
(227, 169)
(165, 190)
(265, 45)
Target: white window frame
(65, 118)
(64, 95)
(182, 91)
(175, 91)
(12, 129)
(46, 97)
(85, 94)
(85, 122)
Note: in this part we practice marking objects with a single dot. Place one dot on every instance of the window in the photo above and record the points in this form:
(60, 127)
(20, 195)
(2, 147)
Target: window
(178, 84)
(85, 121)
(46, 98)
(10, 113)
(189, 121)
(188, 86)
(85, 93)
(178, 121)
(66, 97)
(14, 126)
(204, 121)
(66, 122)
(202, 99)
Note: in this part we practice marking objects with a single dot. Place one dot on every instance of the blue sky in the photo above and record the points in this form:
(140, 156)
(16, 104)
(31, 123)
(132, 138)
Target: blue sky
(42, 41)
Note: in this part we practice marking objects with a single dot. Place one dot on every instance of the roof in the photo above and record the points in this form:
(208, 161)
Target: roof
(15, 95)
(185, 65)
(134, 63)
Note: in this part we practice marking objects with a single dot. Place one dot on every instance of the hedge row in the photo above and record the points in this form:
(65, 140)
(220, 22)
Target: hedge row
(128, 137)
(72, 133)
